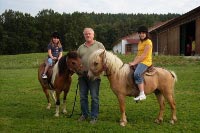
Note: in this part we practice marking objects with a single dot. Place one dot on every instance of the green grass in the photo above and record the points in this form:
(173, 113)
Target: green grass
(23, 104)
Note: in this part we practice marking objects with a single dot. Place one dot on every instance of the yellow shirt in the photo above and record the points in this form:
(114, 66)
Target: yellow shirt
(193, 45)
(141, 46)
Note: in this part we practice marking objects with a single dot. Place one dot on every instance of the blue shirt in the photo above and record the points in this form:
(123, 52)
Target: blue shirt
(55, 50)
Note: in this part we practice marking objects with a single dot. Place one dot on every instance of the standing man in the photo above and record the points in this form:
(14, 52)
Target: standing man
(86, 85)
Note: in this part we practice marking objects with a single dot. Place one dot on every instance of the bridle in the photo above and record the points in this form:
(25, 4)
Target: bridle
(105, 68)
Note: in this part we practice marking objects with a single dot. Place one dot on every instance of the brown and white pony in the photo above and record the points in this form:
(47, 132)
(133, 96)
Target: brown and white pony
(161, 83)
(59, 78)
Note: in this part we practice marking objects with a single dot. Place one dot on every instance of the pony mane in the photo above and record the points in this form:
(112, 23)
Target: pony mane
(55, 71)
(61, 66)
(112, 62)
(72, 54)
(115, 63)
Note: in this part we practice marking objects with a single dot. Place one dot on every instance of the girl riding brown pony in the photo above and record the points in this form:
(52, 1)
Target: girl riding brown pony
(59, 78)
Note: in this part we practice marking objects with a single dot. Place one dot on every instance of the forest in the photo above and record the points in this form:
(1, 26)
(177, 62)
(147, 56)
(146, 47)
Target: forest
(22, 33)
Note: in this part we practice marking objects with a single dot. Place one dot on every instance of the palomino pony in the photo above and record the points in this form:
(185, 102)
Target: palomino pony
(119, 75)
(59, 78)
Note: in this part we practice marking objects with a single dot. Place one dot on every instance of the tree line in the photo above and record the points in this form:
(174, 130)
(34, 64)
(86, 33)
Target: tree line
(22, 33)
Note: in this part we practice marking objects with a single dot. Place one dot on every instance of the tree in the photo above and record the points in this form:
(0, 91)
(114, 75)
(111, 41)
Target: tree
(22, 33)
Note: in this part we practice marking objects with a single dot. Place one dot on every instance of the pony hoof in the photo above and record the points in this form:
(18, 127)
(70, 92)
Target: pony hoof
(56, 115)
(48, 107)
(158, 121)
(172, 122)
(123, 123)
(64, 111)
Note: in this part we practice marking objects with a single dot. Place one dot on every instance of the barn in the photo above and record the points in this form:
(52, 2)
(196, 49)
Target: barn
(174, 36)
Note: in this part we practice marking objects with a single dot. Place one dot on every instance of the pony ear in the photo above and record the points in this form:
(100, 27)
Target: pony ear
(103, 53)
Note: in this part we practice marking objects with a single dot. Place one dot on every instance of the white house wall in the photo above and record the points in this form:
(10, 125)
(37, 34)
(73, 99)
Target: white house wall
(120, 47)
(117, 48)
(124, 42)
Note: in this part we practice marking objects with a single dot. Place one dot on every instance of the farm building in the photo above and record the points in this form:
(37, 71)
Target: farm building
(172, 37)
(127, 44)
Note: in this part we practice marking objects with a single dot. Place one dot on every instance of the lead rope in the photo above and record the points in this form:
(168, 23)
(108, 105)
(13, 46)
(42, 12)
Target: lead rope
(77, 86)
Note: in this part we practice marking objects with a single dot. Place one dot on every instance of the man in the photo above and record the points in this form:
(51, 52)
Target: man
(85, 84)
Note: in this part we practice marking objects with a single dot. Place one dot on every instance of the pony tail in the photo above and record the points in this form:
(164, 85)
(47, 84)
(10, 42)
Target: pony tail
(174, 75)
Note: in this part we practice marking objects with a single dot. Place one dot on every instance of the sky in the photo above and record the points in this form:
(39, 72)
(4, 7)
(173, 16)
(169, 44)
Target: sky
(100, 6)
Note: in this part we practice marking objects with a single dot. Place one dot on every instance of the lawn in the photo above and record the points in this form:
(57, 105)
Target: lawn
(23, 104)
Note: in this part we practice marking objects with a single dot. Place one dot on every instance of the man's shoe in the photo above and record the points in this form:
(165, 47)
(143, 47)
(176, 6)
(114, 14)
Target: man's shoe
(82, 118)
(93, 121)
(140, 98)
(44, 76)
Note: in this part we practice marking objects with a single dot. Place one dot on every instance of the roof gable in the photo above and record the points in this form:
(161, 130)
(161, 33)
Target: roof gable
(191, 15)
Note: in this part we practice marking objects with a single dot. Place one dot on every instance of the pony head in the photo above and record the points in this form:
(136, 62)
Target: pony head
(74, 62)
(96, 63)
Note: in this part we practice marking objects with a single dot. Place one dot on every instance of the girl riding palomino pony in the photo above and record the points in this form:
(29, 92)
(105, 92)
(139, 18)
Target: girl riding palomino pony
(119, 75)
(60, 78)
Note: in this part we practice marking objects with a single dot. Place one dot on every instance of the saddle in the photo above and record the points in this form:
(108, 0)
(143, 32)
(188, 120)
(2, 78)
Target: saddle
(49, 75)
(150, 71)
(50, 70)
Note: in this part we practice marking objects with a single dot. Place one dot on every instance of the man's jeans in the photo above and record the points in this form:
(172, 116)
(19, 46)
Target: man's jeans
(91, 86)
